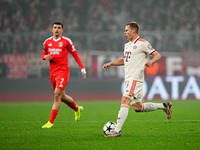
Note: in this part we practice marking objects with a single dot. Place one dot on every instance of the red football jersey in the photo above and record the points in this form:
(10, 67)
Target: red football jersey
(59, 49)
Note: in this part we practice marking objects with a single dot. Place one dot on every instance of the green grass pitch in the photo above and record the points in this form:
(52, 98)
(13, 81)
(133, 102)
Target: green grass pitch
(20, 127)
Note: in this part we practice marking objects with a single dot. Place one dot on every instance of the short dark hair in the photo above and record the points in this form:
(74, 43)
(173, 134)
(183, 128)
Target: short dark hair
(59, 23)
(134, 25)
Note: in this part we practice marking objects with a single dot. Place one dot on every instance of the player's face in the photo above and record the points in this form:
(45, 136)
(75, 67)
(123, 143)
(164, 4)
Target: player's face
(57, 30)
(129, 33)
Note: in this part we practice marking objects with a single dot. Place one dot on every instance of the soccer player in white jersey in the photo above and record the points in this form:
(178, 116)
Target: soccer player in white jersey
(135, 60)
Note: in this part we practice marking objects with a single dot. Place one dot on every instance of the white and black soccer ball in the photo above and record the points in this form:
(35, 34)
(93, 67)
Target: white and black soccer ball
(109, 126)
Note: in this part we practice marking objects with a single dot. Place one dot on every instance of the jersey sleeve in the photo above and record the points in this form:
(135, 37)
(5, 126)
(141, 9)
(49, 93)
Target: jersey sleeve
(74, 53)
(147, 48)
(70, 46)
(78, 59)
(44, 52)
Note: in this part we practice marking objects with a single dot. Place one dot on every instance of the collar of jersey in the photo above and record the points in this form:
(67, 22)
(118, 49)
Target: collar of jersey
(56, 39)
(135, 40)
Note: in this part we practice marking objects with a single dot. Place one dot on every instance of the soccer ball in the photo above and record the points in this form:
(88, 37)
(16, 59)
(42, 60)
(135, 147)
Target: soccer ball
(109, 126)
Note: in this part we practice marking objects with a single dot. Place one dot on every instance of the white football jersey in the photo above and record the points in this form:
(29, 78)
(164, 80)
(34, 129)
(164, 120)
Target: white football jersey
(135, 56)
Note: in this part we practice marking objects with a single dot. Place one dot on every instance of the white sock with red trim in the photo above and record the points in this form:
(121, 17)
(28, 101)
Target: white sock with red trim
(152, 106)
(122, 115)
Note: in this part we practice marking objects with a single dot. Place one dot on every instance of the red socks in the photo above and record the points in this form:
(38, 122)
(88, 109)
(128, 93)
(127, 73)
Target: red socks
(54, 112)
(53, 115)
(74, 106)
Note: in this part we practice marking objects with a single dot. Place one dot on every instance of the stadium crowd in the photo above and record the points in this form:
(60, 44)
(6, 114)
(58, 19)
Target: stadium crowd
(24, 16)
(99, 15)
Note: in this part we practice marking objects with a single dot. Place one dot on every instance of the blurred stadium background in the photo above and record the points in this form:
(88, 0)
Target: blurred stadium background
(96, 28)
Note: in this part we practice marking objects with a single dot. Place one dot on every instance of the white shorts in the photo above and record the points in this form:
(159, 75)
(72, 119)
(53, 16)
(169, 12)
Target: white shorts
(133, 90)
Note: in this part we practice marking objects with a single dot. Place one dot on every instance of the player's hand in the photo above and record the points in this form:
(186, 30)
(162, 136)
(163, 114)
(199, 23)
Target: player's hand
(148, 64)
(48, 57)
(105, 66)
(83, 71)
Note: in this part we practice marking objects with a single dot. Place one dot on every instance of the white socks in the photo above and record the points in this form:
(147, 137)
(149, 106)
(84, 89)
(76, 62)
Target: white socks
(152, 106)
(122, 115)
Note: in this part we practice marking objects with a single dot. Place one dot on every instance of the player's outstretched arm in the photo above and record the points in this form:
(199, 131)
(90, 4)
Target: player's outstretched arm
(119, 62)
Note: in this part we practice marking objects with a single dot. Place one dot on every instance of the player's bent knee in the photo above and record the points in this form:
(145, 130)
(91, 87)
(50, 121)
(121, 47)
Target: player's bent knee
(137, 108)
(67, 99)
(126, 100)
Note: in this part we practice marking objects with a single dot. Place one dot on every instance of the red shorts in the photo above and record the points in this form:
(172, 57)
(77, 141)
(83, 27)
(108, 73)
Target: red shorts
(59, 80)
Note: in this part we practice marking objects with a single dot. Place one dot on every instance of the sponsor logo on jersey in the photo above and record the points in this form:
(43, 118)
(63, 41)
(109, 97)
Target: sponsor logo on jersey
(134, 47)
(127, 56)
(55, 51)
(50, 44)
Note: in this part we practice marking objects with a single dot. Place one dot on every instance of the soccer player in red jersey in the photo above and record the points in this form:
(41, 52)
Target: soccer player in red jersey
(56, 49)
